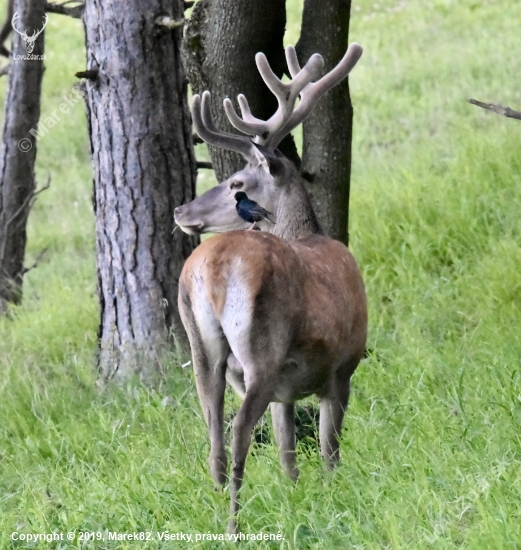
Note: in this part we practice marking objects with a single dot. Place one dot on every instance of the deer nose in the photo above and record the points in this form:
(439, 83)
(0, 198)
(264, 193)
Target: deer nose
(178, 211)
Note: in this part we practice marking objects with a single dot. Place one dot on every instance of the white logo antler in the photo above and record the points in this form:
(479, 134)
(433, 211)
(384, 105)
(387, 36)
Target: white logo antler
(29, 40)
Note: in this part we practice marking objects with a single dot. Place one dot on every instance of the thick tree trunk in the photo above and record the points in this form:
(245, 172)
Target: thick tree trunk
(18, 152)
(221, 40)
(326, 155)
(143, 166)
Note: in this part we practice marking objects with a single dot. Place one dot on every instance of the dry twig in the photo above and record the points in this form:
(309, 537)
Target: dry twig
(500, 110)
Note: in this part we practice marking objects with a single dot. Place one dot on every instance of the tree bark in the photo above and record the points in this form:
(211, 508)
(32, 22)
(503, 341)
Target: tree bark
(18, 152)
(143, 164)
(221, 40)
(326, 155)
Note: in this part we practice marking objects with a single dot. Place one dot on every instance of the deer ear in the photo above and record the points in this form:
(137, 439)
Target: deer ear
(261, 159)
(276, 166)
(270, 160)
(276, 163)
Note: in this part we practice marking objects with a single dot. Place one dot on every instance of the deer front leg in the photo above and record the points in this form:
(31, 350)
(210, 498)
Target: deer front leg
(256, 401)
(283, 419)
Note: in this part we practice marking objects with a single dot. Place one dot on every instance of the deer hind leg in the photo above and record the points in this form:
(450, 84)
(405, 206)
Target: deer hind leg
(209, 352)
(258, 395)
(332, 408)
(211, 384)
(283, 418)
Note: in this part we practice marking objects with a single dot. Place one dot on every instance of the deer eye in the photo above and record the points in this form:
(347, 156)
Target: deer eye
(236, 184)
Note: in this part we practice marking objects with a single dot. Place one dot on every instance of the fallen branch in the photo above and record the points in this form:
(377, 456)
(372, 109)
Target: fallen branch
(500, 110)
(204, 165)
(64, 9)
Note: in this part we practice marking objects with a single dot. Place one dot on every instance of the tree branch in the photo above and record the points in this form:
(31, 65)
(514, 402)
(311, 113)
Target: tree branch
(204, 165)
(36, 261)
(45, 187)
(505, 111)
(64, 9)
(89, 74)
(29, 201)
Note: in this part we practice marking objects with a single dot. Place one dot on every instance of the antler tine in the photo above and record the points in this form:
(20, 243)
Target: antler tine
(286, 94)
(248, 123)
(271, 132)
(207, 131)
(314, 91)
(292, 61)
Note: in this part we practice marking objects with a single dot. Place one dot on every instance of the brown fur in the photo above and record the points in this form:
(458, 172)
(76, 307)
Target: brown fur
(313, 282)
(307, 335)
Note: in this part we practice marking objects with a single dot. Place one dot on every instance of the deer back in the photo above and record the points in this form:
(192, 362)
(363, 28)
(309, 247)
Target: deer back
(304, 298)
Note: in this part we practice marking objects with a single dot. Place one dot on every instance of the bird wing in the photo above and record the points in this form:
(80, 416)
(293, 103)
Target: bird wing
(262, 212)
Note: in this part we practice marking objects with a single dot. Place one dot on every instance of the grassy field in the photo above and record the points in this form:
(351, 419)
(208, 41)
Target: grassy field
(432, 441)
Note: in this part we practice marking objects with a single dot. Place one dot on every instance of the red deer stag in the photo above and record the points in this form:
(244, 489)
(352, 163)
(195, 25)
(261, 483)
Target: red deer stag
(279, 313)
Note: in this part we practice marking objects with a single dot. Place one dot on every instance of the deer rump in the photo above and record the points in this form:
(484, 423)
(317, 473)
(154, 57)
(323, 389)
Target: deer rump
(297, 308)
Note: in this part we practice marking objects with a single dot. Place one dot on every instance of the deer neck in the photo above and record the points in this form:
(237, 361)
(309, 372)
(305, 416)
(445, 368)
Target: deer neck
(295, 215)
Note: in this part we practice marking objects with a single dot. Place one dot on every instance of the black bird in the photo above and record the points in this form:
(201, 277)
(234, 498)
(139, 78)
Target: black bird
(250, 211)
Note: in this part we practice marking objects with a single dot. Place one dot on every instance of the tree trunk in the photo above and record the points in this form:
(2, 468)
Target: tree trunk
(221, 40)
(18, 152)
(143, 164)
(326, 154)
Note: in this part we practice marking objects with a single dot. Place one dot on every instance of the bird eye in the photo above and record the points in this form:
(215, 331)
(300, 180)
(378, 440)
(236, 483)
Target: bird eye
(236, 184)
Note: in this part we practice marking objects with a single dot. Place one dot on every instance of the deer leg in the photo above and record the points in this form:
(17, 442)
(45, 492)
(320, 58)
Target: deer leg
(332, 408)
(283, 418)
(209, 353)
(256, 400)
(211, 384)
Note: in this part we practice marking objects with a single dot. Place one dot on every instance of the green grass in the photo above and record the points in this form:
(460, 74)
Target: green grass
(431, 444)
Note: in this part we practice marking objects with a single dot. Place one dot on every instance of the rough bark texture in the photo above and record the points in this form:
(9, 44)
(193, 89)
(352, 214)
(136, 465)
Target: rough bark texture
(18, 152)
(221, 40)
(326, 155)
(143, 166)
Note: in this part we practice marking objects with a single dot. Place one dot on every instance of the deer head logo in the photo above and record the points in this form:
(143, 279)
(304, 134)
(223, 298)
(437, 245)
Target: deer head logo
(29, 40)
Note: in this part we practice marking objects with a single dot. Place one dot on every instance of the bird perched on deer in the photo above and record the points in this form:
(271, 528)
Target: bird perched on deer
(250, 211)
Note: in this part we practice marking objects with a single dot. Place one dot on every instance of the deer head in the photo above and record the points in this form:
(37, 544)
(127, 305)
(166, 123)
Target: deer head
(29, 40)
(268, 178)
